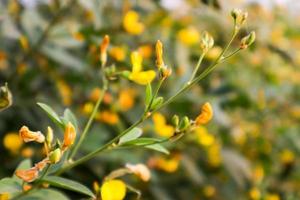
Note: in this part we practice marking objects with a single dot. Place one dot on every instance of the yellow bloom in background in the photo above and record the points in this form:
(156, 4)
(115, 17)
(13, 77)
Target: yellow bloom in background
(214, 154)
(126, 99)
(258, 174)
(12, 142)
(4, 196)
(287, 156)
(206, 114)
(78, 36)
(131, 23)
(209, 191)
(189, 36)
(160, 126)
(65, 92)
(213, 53)
(272, 197)
(27, 152)
(95, 94)
(108, 117)
(204, 138)
(113, 190)
(145, 51)
(24, 42)
(169, 165)
(137, 75)
(87, 108)
(118, 53)
(254, 194)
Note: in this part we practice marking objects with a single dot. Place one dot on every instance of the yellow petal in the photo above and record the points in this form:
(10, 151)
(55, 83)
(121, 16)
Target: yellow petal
(143, 78)
(113, 190)
(136, 60)
(131, 23)
(158, 119)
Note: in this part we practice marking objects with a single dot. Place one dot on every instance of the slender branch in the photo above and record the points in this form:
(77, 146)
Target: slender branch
(197, 67)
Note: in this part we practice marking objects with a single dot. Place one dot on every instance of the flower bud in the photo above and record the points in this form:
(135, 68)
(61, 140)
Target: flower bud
(29, 136)
(49, 136)
(5, 97)
(184, 124)
(159, 54)
(247, 40)
(239, 17)
(140, 170)
(103, 50)
(207, 41)
(55, 156)
(175, 120)
(69, 135)
(206, 114)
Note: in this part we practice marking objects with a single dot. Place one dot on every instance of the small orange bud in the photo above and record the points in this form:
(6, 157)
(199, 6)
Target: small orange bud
(206, 114)
(26, 187)
(28, 175)
(159, 54)
(69, 135)
(103, 49)
(29, 136)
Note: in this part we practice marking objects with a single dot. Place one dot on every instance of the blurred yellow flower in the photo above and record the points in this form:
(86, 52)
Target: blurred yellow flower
(169, 165)
(287, 156)
(118, 53)
(24, 42)
(189, 36)
(78, 36)
(113, 190)
(27, 152)
(254, 194)
(65, 92)
(12, 142)
(131, 23)
(213, 53)
(160, 126)
(205, 115)
(209, 191)
(126, 99)
(137, 75)
(108, 117)
(204, 138)
(145, 51)
(87, 108)
(4, 196)
(214, 154)
(272, 197)
(258, 173)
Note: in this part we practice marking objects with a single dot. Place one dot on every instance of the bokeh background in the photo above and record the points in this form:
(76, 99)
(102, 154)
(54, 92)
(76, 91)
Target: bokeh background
(49, 52)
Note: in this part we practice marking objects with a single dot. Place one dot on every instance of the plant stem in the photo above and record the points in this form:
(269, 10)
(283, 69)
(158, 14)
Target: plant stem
(143, 118)
(197, 67)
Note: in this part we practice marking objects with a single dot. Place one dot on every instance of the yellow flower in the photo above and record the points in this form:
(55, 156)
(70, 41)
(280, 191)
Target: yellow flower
(209, 190)
(108, 117)
(69, 135)
(12, 142)
(140, 170)
(65, 92)
(137, 75)
(214, 154)
(24, 42)
(118, 53)
(204, 138)
(206, 114)
(78, 36)
(29, 136)
(160, 126)
(131, 23)
(189, 36)
(258, 173)
(159, 54)
(169, 165)
(113, 190)
(145, 51)
(4, 196)
(272, 197)
(287, 156)
(254, 194)
(126, 99)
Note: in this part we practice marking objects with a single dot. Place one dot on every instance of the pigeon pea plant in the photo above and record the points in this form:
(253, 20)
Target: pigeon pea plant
(34, 181)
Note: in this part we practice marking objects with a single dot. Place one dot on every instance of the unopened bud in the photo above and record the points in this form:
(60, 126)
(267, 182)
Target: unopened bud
(165, 72)
(5, 97)
(55, 156)
(247, 40)
(103, 50)
(185, 123)
(207, 41)
(239, 17)
(159, 54)
(69, 135)
(49, 136)
(175, 120)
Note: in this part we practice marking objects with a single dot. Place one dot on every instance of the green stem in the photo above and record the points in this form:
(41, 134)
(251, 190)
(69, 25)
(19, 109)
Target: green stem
(197, 67)
(154, 95)
(185, 87)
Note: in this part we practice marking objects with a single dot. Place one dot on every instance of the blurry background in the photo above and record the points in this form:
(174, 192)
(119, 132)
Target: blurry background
(49, 53)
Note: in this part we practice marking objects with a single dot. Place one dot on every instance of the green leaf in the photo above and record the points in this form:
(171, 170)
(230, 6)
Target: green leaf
(45, 194)
(157, 102)
(158, 147)
(148, 96)
(9, 185)
(52, 114)
(68, 185)
(69, 117)
(131, 135)
(142, 142)
(25, 164)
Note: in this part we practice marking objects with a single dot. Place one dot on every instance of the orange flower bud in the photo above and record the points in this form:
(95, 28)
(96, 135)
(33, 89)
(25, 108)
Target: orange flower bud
(103, 49)
(28, 175)
(159, 54)
(29, 136)
(26, 187)
(206, 114)
(69, 135)
(140, 170)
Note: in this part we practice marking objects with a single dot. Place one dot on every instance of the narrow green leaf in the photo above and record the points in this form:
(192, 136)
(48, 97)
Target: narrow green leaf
(142, 142)
(148, 96)
(25, 164)
(131, 135)
(157, 102)
(158, 147)
(69, 117)
(9, 185)
(51, 113)
(68, 185)
(45, 194)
